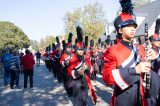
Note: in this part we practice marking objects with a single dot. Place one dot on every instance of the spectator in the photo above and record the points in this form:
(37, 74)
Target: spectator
(5, 60)
(28, 64)
(21, 56)
(14, 69)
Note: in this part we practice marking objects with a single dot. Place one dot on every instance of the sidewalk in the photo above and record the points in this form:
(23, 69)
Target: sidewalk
(48, 92)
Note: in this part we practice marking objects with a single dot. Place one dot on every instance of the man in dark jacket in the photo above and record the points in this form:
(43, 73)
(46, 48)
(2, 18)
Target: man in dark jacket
(38, 57)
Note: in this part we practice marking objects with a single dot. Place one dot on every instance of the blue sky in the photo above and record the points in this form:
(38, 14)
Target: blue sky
(40, 18)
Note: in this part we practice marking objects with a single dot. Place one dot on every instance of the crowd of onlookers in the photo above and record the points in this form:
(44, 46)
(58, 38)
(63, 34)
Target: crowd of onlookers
(16, 64)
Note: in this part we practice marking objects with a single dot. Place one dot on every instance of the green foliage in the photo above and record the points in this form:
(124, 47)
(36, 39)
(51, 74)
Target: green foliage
(44, 42)
(12, 36)
(35, 44)
(91, 17)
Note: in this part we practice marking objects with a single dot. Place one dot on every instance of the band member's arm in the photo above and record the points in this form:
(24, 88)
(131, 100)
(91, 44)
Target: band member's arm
(90, 66)
(123, 77)
(64, 60)
(72, 72)
(56, 56)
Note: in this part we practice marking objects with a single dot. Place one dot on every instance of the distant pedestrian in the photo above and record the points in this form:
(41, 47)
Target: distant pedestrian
(38, 58)
(28, 64)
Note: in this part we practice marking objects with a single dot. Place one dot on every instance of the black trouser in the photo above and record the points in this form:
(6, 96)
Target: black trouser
(58, 70)
(48, 64)
(128, 97)
(100, 69)
(95, 70)
(53, 65)
(67, 80)
(80, 92)
(28, 73)
(65, 77)
(155, 89)
(158, 101)
(14, 74)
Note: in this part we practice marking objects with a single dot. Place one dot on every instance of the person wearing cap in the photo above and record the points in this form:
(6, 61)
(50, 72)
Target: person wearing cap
(104, 47)
(53, 65)
(79, 69)
(155, 42)
(124, 63)
(64, 61)
(99, 56)
(91, 55)
(47, 57)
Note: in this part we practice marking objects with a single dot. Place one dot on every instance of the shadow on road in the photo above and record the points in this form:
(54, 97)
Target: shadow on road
(46, 92)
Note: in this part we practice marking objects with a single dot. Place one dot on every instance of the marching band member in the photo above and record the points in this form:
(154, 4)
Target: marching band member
(64, 61)
(124, 63)
(80, 69)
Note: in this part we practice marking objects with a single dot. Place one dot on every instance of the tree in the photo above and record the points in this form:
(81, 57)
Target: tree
(94, 20)
(35, 44)
(91, 17)
(44, 42)
(12, 36)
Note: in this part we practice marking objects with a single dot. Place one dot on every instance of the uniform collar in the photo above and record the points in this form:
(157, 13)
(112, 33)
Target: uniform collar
(127, 44)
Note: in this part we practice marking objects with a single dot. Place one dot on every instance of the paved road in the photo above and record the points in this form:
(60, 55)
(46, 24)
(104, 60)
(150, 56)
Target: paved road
(48, 92)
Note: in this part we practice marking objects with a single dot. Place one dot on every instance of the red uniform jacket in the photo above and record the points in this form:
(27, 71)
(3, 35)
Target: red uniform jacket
(76, 65)
(92, 56)
(119, 66)
(64, 60)
(47, 56)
